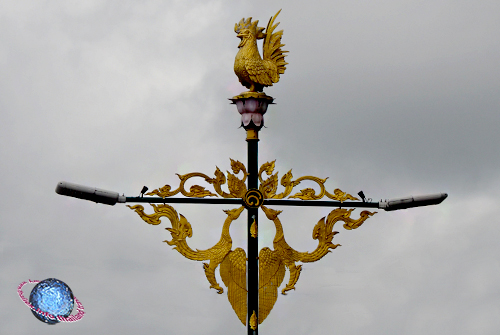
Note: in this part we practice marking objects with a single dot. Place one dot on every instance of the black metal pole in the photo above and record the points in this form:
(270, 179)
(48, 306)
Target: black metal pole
(253, 243)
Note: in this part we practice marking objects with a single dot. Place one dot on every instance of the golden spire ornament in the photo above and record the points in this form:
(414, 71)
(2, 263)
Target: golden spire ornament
(256, 72)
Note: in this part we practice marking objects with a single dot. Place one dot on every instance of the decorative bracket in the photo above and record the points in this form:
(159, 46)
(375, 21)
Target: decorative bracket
(272, 263)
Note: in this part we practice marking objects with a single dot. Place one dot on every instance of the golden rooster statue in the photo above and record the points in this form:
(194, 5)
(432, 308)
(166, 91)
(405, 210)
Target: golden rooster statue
(255, 72)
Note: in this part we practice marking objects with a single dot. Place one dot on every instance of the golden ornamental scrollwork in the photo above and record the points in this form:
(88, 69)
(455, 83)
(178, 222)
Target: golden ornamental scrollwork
(181, 229)
(272, 263)
(233, 263)
(237, 189)
(322, 231)
(235, 185)
(269, 186)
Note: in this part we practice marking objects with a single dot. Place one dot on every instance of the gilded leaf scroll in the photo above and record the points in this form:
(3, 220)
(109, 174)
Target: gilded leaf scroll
(269, 186)
(236, 186)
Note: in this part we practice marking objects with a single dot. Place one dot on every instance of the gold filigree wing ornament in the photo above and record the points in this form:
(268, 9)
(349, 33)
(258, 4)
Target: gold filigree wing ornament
(271, 275)
(233, 272)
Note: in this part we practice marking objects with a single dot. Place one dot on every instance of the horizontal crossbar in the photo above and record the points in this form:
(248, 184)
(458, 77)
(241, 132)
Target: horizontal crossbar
(268, 202)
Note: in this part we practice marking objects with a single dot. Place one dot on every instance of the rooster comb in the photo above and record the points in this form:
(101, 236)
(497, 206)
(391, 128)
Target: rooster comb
(252, 26)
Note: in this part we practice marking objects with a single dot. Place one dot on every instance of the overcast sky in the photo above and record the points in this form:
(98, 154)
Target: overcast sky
(392, 98)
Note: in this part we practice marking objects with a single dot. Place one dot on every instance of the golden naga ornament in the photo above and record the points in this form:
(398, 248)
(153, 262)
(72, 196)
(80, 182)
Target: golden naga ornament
(233, 263)
(253, 71)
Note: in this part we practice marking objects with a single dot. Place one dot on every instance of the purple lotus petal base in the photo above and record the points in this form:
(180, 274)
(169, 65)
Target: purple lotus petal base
(252, 106)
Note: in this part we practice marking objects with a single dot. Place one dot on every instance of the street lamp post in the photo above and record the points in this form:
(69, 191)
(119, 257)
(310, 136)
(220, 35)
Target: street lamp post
(252, 280)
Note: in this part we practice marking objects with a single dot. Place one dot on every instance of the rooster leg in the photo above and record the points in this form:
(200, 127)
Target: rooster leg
(210, 273)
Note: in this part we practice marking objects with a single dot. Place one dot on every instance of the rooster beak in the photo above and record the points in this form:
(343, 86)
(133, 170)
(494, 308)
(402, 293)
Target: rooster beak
(242, 40)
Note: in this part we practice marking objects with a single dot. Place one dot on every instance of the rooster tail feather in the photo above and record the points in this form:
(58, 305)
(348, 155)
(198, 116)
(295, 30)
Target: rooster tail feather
(272, 48)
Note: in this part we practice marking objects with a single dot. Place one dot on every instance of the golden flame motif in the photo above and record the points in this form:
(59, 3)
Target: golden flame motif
(254, 229)
(253, 321)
